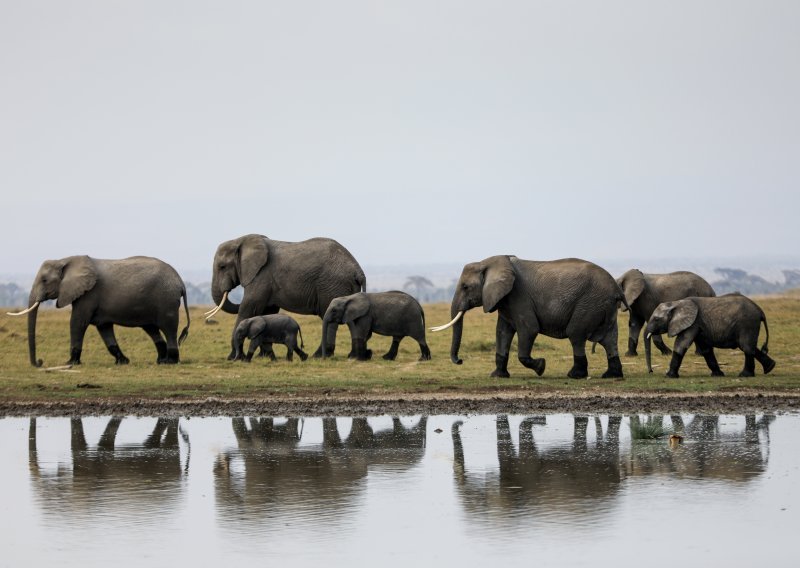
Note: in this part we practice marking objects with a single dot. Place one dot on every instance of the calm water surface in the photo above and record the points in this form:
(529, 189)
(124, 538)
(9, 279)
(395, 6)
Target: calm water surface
(383, 491)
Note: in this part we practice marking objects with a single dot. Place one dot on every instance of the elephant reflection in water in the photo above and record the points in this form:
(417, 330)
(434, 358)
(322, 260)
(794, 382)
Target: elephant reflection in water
(129, 479)
(707, 452)
(567, 480)
(271, 475)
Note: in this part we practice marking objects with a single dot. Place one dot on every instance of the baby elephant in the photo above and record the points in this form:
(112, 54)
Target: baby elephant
(728, 322)
(263, 331)
(385, 313)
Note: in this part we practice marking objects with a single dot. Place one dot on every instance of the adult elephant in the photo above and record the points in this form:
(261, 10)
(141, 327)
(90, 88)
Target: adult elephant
(139, 291)
(568, 298)
(643, 292)
(298, 277)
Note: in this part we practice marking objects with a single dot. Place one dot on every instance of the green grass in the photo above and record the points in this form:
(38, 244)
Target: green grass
(205, 372)
(652, 428)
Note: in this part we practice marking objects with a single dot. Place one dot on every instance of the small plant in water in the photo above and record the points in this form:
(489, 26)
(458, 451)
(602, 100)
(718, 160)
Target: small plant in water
(650, 429)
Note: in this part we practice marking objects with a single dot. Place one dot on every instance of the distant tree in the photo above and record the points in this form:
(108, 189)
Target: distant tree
(417, 286)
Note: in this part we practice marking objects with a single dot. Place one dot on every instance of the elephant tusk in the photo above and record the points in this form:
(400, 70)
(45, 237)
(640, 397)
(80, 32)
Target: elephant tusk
(649, 335)
(211, 313)
(445, 326)
(23, 312)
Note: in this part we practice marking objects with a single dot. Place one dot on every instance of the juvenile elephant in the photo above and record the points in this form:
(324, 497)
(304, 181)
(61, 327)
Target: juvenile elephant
(568, 298)
(266, 330)
(300, 277)
(132, 292)
(644, 292)
(728, 322)
(386, 313)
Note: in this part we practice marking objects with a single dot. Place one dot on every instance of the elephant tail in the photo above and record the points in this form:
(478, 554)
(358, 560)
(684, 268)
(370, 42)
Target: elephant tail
(185, 332)
(300, 332)
(361, 279)
(765, 347)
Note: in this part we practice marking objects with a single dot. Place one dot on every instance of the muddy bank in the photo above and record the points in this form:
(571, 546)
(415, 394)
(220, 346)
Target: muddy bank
(427, 404)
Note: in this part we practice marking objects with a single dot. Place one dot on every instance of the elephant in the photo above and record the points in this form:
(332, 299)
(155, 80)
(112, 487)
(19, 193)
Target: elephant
(730, 321)
(643, 292)
(266, 330)
(568, 298)
(299, 277)
(386, 313)
(138, 291)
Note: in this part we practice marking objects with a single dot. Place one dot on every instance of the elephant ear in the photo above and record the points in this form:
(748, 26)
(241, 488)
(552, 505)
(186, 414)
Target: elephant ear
(683, 315)
(632, 285)
(253, 256)
(498, 279)
(78, 276)
(357, 306)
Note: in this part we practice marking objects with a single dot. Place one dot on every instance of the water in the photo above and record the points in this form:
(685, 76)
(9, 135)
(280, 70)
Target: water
(440, 490)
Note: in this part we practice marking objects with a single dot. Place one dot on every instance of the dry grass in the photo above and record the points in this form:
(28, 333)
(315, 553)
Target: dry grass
(204, 370)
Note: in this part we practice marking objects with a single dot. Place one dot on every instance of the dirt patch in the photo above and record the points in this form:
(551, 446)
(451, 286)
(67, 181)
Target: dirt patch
(427, 404)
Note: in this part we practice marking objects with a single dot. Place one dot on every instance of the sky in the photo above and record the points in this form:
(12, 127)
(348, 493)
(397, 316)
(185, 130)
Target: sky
(412, 132)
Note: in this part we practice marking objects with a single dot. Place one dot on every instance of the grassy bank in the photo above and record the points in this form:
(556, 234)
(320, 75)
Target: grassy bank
(205, 372)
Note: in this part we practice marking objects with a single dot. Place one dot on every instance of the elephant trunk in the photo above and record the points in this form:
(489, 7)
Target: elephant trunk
(329, 329)
(647, 354)
(458, 327)
(217, 295)
(32, 330)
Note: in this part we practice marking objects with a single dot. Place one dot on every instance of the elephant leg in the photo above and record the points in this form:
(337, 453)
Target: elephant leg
(106, 332)
(171, 335)
(289, 350)
(77, 331)
(504, 334)
(767, 362)
(634, 328)
(749, 369)
(525, 345)
(609, 343)
(424, 350)
(251, 350)
(707, 352)
(391, 355)
(658, 341)
(158, 340)
(683, 341)
(300, 353)
(266, 350)
(580, 364)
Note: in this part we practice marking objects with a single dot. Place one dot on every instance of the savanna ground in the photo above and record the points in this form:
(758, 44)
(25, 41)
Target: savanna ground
(206, 383)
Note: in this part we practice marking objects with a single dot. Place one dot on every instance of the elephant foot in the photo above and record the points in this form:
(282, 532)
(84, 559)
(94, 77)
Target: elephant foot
(232, 356)
(390, 356)
(672, 374)
(768, 365)
(425, 353)
(500, 374)
(169, 362)
(614, 370)
(630, 353)
(501, 367)
(580, 367)
(74, 357)
(303, 356)
(717, 373)
(368, 354)
(538, 365)
(122, 360)
(747, 373)
(71, 362)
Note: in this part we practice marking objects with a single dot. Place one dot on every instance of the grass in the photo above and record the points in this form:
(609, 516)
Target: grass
(205, 372)
(652, 428)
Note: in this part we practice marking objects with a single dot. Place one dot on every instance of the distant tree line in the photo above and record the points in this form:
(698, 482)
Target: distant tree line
(737, 280)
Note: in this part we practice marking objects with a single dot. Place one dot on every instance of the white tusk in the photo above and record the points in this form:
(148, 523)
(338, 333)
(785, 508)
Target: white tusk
(211, 313)
(23, 312)
(649, 335)
(445, 326)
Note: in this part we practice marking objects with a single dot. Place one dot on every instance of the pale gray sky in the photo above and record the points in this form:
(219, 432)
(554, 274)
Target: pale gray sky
(412, 132)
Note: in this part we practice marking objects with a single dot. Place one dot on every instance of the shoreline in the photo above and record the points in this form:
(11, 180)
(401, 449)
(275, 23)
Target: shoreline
(404, 404)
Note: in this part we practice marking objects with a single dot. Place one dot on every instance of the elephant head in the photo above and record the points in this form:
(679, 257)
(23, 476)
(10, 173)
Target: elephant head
(236, 262)
(63, 280)
(344, 309)
(483, 283)
(632, 284)
(672, 317)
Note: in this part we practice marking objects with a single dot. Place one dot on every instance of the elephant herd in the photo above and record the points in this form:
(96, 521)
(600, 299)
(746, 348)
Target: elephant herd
(564, 299)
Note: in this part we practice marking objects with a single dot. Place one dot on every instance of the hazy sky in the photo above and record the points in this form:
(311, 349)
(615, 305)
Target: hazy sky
(410, 131)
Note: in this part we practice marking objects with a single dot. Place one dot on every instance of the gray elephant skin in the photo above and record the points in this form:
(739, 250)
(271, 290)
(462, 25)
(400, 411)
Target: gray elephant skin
(729, 322)
(568, 298)
(644, 292)
(263, 331)
(138, 291)
(395, 314)
(299, 277)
